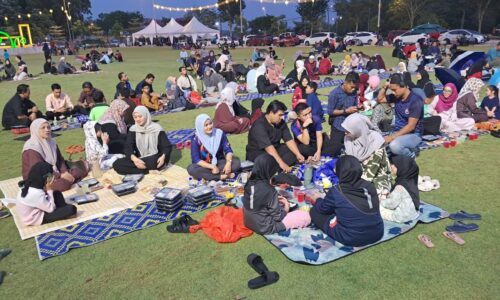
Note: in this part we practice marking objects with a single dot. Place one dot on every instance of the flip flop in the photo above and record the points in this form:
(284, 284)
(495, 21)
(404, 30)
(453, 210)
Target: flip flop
(460, 227)
(454, 237)
(426, 240)
(462, 215)
(266, 279)
(257, 263)
(188, 220)
(4, 252)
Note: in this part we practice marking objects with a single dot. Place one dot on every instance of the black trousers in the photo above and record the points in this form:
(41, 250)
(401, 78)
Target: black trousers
(126, 166)
(286, 154)
(116, 139)
(337, 141)
(432, 125)
(310, 150)
(319, 219)
(51, 115)
(198, 172)
(80, 110)
(62, 211)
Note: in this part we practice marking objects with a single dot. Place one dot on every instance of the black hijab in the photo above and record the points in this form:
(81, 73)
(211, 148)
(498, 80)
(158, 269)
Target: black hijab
(425, 78)
(407, 176)
(257, 104)
(37, 177)
(361, 193)
(476, 67)
(258, 190)
(407, 79)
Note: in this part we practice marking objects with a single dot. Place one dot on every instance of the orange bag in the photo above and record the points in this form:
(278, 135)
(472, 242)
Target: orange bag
(223, 224)
(195, 98)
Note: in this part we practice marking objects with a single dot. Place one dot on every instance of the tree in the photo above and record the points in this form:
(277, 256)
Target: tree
(116, 30)
(134, 24)
(268, 24)
(56, 32)
(207, 17)
(107, 20)
(313, 12)
(230, 12)
(410, 8)
(482, 6)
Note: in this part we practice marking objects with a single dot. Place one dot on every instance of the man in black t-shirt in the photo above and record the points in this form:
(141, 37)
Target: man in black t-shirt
(20, 110)
(266, 134)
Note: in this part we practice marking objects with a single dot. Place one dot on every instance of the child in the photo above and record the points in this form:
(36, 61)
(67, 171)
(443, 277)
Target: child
(491, 103)
(264, 211)
(402, 204)
(99, 108)
(150, 100)
(313, 101)
(37, 203)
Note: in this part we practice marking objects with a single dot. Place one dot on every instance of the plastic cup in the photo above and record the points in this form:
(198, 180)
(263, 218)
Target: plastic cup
(446, 144)
(476, 135)
(453, 143)
(187, 144)
(179, 146)
(301, 196)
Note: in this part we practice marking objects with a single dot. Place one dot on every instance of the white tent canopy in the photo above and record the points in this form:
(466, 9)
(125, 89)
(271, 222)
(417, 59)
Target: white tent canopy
(196, 29)
(171, 29)
(149, 31)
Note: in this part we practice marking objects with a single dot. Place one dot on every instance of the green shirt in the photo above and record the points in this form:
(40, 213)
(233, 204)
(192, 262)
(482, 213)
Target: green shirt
(98, 111)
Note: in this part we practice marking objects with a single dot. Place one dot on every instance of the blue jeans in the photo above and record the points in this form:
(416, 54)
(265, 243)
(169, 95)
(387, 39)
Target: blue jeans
(405, 144)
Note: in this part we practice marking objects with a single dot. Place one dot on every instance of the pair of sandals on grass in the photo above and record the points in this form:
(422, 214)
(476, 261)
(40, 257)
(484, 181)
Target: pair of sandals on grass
(427, 184)
(452, 230)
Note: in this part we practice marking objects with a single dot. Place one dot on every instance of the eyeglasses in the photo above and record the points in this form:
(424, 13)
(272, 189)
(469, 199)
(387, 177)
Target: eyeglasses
(447, 91)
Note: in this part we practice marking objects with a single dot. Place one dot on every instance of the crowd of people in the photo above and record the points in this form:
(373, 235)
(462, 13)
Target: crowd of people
(371, 148)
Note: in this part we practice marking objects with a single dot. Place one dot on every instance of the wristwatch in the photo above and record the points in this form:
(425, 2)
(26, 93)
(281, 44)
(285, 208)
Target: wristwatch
(345, 112)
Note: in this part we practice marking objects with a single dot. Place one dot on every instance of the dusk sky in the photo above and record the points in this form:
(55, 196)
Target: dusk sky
(253, 9)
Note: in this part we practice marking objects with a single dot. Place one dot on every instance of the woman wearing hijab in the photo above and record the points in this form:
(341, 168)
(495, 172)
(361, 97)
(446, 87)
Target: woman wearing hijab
(466, 103)
(10, 70)
(408, 81)
(349, 213)
(223, 67)
(213, 82)
(175, 96)
(225, 118)
(211, 153)
(38, 202)
(401, 68)
(445, 106)
(299, 94)
(97, 146)
(355, 60)
(380, 62)
(363, 83)
(41, 147)
(297, 74)
(367, 145)
(274, 71)
(264, 210)
(146, 148)
(402, 204)
(424, 83)
(371, 92)
(311, 68)
(476, 70)
(345, 65)
(413, 62)
(113, 123)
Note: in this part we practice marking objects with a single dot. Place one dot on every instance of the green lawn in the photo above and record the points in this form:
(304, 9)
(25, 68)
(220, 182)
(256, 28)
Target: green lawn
(153, 264)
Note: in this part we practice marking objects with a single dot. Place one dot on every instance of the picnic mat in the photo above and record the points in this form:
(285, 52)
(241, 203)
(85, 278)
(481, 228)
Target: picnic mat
(108, 202)
(100, 229)
(313, 247)
(180, 135)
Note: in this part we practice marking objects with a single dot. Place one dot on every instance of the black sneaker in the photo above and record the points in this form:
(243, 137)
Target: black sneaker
(4, 214)
(4, 252)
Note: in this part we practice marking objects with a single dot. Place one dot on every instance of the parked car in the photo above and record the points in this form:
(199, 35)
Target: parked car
(227, 40)
(260, 40)
(454, 34)
(360, 38)
(391, 35)
(114, 43)
(89, 43)
(411, 37)
(319, 37)
(433, 30)
(287, 39)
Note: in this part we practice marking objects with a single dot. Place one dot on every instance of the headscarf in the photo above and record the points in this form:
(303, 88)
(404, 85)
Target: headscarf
(374, 82)
(146, 136)
(363, 81)
(380, 61)
(257, 104)
(407, 176)
(354, 60)
(298, 54)
(425, 78)
(473, 85)
(114, 115)
(363, 140)
(222, 61)
(407, 79)
(445, 103)
(210, 142)
(258, 190)
(361, 193)
(401, 67)
(347, 59)
(37, 177)
(47, 148)
(299, 66)
(227, 96)
(212, 79)
(413, 55)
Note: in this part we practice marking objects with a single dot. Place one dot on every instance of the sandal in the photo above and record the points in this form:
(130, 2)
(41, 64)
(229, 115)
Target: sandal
(426, 240)
(454, 237)
(188, 220)
(266, 279)
(178, 227)
(461, 227)
(462, 215)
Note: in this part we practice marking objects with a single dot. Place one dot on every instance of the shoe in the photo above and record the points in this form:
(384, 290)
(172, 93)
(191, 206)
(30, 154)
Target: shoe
(4, 252)
(4, 214)
(460, 227)
(188, 220)
(462, 215)
(178, 226)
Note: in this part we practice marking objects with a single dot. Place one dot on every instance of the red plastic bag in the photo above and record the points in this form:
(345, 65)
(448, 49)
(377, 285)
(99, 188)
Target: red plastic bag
(223, 224)
(195, 98)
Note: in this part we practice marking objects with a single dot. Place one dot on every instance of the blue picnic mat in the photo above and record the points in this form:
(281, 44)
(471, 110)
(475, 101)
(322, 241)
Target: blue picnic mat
(98, 230)
(313, 247)
(180, 135)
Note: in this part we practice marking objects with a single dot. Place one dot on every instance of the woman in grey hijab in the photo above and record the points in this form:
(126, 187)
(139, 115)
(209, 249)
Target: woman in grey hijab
(147, 146)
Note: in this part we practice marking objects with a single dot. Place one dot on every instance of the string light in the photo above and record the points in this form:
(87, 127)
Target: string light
(226, 2)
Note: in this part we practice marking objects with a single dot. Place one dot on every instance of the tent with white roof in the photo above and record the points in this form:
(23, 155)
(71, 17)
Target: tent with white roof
(196, 29)
(150, 31)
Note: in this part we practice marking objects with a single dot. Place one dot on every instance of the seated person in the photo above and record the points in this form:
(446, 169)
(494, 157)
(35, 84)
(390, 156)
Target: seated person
(223, 67)
(186, 82)
(402, 204)
(325, 65)
(99, 108)
(252, 79)
(491, 103)
(445, 106)
(118, 56)
(96, 146)
(86, 99)
(312, 70)
(413, 62)
(41, 147)
(147, 146)
(113, 123)
(63, 67)
(274, 71)
(48, 67)
(105, 59)
(150, 100)
(349, 213)
(264, 210)
(225, 118)
(211, 153)
(123, 83)
(297, 74)
(256, 56)
(409, 110)
(20, 110)
(125, 95)
(21, 73)
(58, 104)
(264, 86)
(213, 82)
(367, 145)
(10, 70)
(299, 94)
(37, 202)
(265, 137)
(466, 103)
(312, 100)
(175, 97)
(150, 78)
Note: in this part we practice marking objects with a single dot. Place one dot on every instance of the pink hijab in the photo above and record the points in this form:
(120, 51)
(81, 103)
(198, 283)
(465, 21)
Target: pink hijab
(444, 104)
(47, 148)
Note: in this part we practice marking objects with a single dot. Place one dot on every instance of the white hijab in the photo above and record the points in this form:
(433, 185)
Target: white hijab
(47, 148)
(363, 140)
(222, 60)
(146, 136)
(299, 65)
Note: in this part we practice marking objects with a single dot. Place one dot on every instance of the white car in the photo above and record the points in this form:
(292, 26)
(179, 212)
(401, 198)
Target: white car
(410, 37)
(452, 35)
(227, 40)
(319, 37)
(360, 38)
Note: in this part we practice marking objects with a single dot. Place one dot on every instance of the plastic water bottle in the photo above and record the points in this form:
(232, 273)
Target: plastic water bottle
(308, 175)
(190, 182)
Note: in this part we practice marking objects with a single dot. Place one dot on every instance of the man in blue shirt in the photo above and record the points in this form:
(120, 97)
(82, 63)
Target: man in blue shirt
(409, 112)
(341, 103)
(494, 56)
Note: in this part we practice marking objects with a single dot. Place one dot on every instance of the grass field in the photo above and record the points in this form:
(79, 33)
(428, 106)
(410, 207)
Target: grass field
(153, 264)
